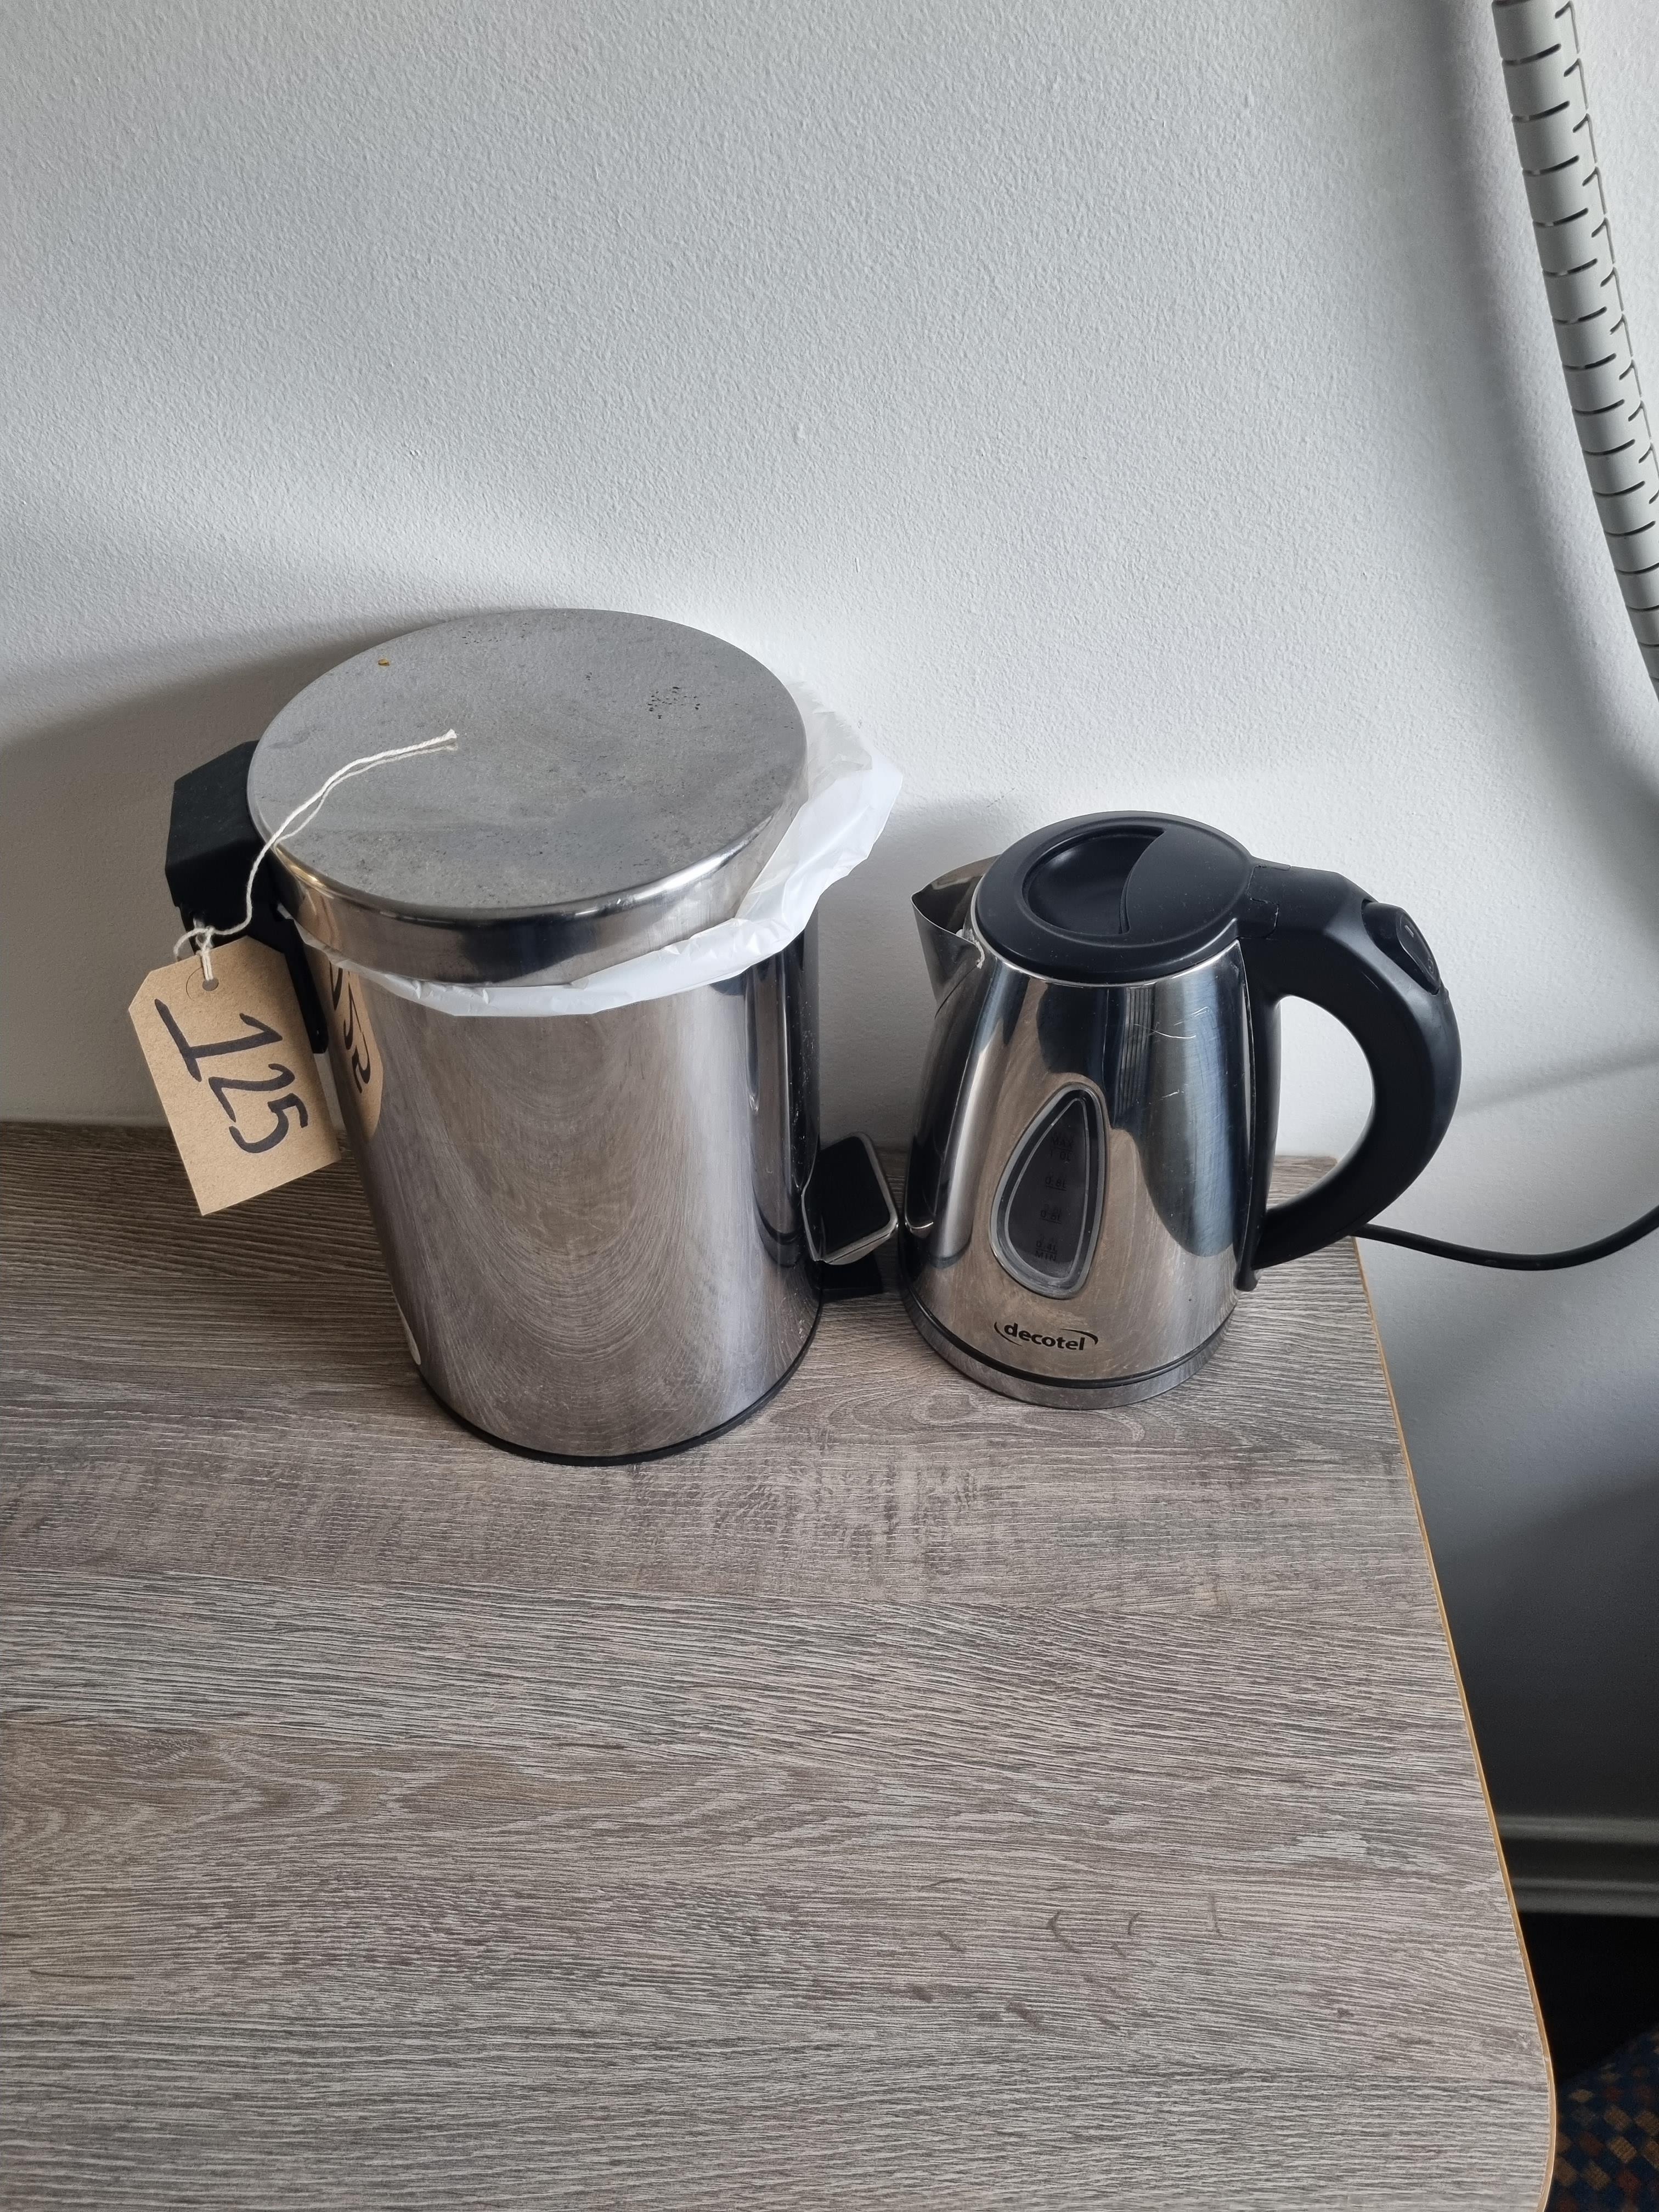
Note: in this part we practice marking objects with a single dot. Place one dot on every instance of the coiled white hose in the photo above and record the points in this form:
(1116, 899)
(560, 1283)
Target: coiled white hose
(1544, 79)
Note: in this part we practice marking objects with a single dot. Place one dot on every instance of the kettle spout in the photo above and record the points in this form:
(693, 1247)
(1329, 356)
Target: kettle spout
(941, 909)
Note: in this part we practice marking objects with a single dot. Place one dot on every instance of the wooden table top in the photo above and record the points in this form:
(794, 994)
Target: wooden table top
(912, 1794)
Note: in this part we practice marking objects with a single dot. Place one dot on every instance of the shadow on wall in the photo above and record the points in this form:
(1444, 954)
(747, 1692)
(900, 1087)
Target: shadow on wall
(84, 802)
(1558, 1641)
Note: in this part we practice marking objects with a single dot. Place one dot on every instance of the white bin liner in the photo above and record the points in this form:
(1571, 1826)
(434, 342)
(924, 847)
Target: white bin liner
(850, 790)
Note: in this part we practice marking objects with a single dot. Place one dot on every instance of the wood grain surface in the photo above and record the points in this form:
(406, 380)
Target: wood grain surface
(911, 1795)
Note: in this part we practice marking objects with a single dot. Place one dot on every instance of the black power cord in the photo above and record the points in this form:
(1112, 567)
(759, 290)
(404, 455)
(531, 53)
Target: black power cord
(1537, 1262)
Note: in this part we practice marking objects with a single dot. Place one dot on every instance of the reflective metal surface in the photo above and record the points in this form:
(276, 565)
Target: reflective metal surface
(618, 784)
(1033, 1390)
(593, 1223)
(1080, 1177)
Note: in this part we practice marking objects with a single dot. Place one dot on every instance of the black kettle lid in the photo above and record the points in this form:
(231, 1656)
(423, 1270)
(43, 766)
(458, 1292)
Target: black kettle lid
(1113, 898)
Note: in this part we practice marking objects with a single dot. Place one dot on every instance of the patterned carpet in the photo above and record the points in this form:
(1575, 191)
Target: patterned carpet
(1606, 2151)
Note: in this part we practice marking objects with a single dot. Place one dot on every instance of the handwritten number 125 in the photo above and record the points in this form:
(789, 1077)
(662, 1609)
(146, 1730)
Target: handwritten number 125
(259, 1034)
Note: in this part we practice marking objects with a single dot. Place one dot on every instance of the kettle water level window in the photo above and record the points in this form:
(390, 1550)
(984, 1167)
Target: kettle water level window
(1045, 1220)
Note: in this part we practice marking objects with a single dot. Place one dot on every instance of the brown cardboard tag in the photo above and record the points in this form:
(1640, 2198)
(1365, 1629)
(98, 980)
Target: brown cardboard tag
(233, 1071)
(357, 1052)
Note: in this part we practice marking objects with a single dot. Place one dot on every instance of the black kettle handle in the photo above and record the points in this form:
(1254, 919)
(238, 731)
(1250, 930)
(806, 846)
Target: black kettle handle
(1308, 935)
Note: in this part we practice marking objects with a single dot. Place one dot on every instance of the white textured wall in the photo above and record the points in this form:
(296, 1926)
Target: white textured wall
(1100, 405)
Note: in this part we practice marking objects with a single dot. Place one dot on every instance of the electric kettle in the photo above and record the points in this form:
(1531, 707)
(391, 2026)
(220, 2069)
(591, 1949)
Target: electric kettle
(1087, 1188)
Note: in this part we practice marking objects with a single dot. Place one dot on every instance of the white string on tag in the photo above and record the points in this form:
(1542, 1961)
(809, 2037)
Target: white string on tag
(203, 937)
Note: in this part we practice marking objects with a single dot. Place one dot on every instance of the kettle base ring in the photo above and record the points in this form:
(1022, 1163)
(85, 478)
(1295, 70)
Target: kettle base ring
(1046, 1390)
